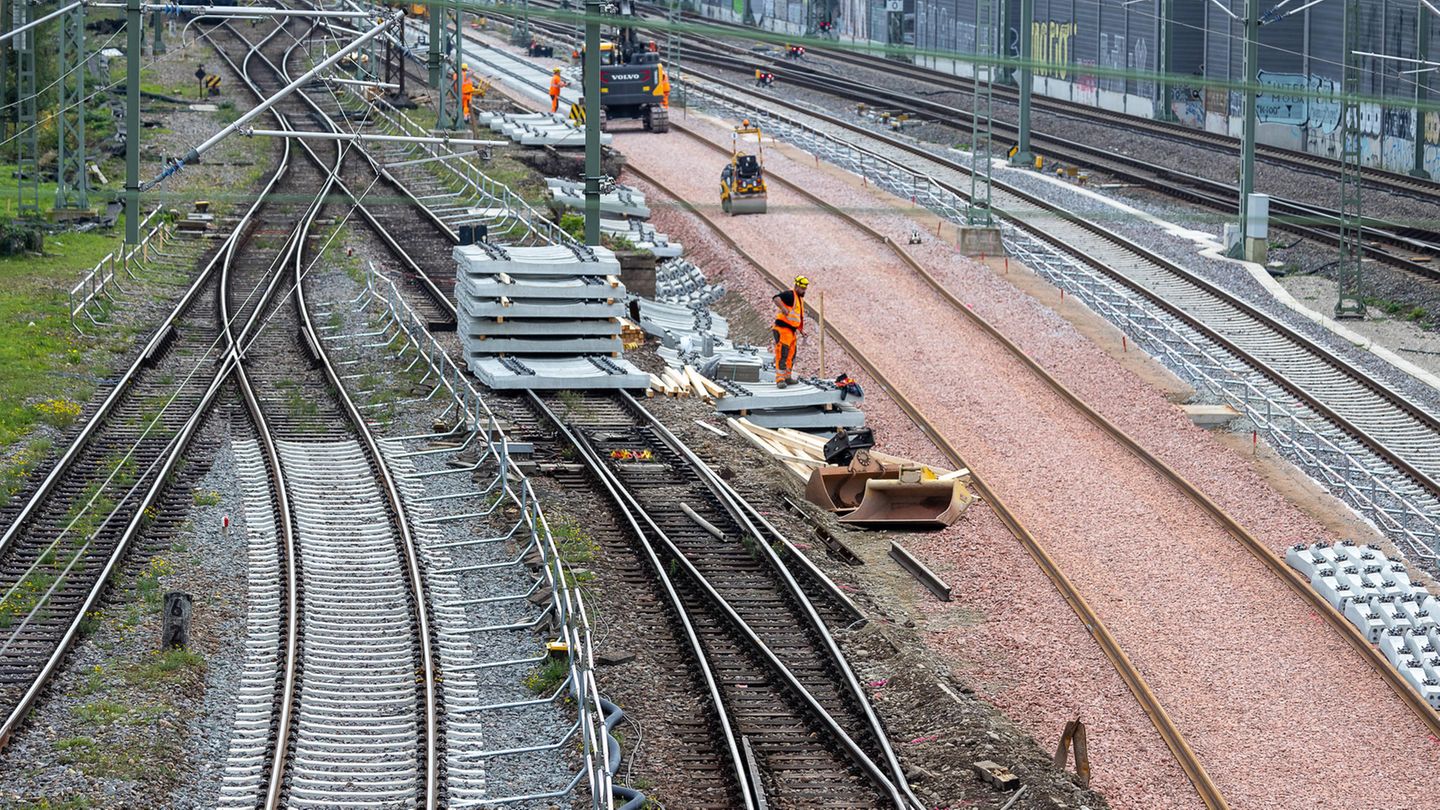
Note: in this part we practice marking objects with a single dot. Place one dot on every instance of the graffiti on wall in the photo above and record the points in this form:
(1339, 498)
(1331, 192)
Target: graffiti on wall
(1050, 44)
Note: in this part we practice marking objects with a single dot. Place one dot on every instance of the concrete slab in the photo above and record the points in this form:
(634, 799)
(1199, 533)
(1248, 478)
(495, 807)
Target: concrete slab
(765, 395)
(539, 308)
(581, 288)
(1210, 416)
(809, 419)
(512, 327)
(552, 374)
(541, 345)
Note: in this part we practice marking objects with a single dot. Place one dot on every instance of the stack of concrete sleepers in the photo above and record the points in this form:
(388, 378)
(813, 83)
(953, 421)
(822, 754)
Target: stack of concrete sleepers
(643, 236)
(538, 129)
(690, 334)
(620, 201)
(542, 317)
(1375, 593)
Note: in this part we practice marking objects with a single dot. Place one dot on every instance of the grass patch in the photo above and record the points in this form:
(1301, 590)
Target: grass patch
(170, 665)
(575, 546)
(543, 679)
(40, 359)
(206, 497)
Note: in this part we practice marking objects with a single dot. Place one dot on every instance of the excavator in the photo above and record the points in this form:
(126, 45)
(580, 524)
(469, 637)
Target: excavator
(633, 83)
(742, 181)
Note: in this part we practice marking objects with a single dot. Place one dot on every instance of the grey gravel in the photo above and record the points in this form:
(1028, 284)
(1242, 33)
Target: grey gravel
(93, 698)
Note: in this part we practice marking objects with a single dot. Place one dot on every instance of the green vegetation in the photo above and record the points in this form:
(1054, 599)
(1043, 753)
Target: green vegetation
(206, 497)
(40, 356)
(575, 546)
(545, 678)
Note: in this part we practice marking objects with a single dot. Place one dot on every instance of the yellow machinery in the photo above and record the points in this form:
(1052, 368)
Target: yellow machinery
(742, 181)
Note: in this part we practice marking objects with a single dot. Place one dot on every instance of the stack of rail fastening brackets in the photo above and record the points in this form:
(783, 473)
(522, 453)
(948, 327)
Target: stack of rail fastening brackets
(542, 317)
(691, 334)
(1375, 593)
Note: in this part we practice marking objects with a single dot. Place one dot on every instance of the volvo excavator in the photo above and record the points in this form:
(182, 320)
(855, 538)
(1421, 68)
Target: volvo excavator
(742, 181)
(633, 83)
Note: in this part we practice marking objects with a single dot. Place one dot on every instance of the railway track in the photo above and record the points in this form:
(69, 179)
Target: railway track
(356, 717)
(74, 529)
(873, 57)
(1401, 432)
(793, 721)
(1209, 792)
(1402, 245)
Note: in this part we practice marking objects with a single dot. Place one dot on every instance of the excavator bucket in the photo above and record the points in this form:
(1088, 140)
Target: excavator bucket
(840, 489)
(895, 504)
(747, 204)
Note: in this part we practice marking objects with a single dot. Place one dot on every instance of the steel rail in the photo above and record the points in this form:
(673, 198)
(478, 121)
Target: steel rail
(1426, 713)
(409, 546)
(1325, 356)
(275, 785)
(168, 459)
(1185, 756)
(731, 502)
(749, 792)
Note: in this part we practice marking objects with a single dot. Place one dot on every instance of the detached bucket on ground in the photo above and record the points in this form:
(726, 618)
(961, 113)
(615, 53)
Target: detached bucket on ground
(895, 504)
(840, 489)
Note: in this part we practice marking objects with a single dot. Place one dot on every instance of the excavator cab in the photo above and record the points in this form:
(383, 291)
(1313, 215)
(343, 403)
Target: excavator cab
(742, 181)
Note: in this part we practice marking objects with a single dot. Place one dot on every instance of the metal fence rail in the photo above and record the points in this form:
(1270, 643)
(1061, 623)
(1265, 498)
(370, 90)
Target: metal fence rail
(478, 423)
(85, 296)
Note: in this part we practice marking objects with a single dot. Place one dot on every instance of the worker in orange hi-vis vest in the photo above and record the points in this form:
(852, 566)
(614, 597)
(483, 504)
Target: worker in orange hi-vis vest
(662, 86)
(555, 84)
(789, 324)
(467, 91)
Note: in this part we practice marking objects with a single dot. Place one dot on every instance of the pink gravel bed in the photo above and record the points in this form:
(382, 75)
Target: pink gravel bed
(1241, 663)
(994, 654)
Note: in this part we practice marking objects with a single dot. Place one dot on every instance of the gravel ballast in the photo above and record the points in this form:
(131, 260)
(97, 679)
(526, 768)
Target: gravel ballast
(1226, 680)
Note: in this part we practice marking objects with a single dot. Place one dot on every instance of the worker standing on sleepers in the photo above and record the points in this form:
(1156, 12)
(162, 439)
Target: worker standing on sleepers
(555, 84)
(789, 325)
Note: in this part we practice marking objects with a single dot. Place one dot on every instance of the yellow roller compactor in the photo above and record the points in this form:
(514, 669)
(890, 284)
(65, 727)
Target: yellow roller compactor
(742, 182)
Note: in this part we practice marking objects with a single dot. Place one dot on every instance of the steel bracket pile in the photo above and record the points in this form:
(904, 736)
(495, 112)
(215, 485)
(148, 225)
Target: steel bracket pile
(542, 317)
(1376, 595)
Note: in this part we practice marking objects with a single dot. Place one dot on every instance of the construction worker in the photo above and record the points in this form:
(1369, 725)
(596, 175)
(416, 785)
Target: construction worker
(789, 325)
(662, 86)
(555, 84)
(467, 90)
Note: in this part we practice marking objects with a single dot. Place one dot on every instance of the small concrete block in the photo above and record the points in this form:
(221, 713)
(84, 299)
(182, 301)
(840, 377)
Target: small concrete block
(1393, 646)
(996, 774)
(1366, 619)
(1210, 416)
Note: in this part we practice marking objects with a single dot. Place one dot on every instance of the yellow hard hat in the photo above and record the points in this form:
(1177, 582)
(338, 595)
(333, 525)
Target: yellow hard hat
(802, 282)
(555, 69)
(464, 67)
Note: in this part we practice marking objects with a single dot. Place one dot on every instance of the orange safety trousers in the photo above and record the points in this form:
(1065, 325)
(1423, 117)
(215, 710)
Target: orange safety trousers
(784, 352)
